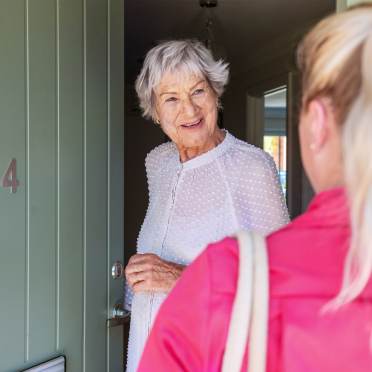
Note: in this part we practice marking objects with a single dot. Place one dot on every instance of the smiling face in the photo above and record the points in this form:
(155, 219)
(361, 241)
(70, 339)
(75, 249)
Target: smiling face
(186, 107)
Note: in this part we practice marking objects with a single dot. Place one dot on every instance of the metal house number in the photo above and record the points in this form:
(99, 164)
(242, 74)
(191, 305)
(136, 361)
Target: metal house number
(9, 179)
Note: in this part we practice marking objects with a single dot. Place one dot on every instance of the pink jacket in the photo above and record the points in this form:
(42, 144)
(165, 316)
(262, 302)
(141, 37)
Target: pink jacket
(306, 263)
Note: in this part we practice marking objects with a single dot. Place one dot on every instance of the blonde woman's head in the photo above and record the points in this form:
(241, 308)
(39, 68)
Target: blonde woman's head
(335, 61)
(329, 58)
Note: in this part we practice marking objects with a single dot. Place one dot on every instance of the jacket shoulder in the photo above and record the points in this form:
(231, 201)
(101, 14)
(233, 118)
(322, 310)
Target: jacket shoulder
(159, 155)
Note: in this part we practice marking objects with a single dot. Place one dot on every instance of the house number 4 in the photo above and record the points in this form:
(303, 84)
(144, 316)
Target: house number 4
(10, 177)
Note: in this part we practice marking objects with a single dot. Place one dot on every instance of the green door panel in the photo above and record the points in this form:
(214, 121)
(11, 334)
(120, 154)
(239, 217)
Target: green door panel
(13, 247)
(41, 181)
(70, 168)
(115, 170)
(61, 118)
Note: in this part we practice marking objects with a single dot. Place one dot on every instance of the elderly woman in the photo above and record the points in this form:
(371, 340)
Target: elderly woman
(203, 185)
(320, 303)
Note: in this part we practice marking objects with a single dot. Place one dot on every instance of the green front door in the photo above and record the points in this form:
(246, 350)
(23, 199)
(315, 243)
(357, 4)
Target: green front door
(61, 194)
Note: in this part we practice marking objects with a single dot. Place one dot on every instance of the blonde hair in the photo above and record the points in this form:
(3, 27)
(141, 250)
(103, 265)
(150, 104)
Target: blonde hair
(335, 59)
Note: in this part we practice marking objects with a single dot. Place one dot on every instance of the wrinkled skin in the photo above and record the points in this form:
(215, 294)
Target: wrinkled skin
(149, 273)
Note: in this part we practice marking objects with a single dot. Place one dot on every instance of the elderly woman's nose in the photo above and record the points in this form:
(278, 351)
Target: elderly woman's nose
(189, 107)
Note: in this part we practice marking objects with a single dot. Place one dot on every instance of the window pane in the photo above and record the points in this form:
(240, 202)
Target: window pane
(275, 132)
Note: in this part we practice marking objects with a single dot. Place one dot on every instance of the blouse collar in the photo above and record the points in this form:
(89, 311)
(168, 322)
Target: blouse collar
(210, 155)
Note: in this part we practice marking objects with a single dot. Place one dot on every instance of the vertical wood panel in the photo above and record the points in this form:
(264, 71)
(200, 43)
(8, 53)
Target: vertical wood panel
(12, 206)
(71, 181)
(58, 175)
(42, 178)
(96, 184)
(115, 221)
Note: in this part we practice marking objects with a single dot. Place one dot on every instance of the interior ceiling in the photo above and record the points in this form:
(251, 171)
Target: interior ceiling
(239, 26)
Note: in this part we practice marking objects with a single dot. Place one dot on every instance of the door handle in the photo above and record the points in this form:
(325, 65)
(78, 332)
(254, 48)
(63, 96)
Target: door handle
(117, 270)
(120, 316)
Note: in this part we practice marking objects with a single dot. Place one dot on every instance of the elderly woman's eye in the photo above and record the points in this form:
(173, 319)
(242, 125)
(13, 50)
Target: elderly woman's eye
(198, 91)
(171, 99)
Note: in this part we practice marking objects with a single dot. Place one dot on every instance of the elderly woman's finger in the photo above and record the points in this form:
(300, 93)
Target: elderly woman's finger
(137, 277)
(139, 257)
(136, 257)
(138, 267)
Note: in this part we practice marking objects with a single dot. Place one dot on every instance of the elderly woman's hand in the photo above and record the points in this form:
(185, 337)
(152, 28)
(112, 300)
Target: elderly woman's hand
(148, 272)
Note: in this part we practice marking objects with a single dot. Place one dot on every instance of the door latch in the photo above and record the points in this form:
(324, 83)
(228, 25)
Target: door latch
(120, 316)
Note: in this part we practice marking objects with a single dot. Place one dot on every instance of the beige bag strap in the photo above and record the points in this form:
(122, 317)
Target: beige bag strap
(241, 310)
(249, 317)
(260, 308)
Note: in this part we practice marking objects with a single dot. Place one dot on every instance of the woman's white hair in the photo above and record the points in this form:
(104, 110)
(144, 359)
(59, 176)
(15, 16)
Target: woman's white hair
(173, 56)
(335, 61)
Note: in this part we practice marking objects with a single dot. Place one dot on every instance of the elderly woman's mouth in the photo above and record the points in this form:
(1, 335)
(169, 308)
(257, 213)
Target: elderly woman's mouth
(192, 125)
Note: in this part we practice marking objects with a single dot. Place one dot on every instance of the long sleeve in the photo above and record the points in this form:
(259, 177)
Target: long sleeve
(128, 297)
(178, 338)
(256, 192)
(273, 212)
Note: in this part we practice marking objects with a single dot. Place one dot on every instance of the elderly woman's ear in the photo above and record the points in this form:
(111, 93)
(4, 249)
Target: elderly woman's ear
(156, 119)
